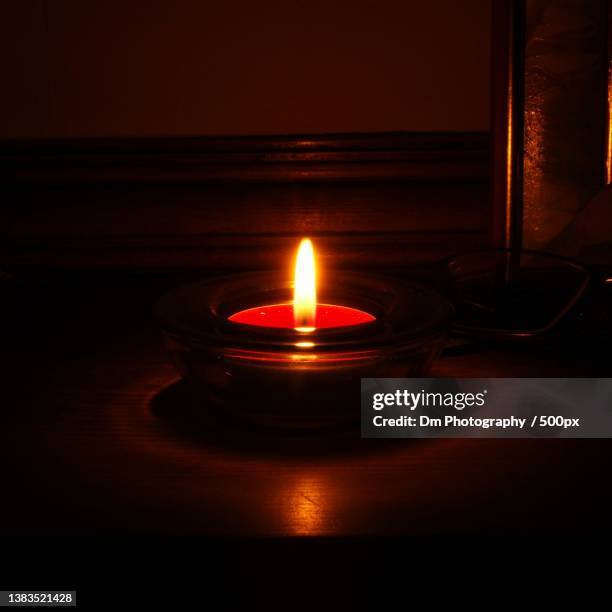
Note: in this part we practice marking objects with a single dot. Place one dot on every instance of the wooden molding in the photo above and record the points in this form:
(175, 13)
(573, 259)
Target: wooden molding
(339, 157)
(369, 200)
(230, 252)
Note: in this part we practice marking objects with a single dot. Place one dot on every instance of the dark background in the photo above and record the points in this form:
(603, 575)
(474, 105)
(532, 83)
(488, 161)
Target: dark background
(145, 144)
(189, 68)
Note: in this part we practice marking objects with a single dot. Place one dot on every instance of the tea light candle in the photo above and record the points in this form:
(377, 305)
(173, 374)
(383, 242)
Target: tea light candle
(268, 352)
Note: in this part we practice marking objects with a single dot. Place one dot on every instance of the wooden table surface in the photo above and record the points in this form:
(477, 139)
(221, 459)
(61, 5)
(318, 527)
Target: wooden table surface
(98, 437)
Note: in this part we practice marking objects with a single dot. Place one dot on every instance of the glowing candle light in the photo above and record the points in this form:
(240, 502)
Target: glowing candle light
(305, 291)
(304, 314)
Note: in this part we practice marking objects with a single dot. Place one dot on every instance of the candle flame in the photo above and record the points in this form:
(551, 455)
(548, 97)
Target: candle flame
(305, 290)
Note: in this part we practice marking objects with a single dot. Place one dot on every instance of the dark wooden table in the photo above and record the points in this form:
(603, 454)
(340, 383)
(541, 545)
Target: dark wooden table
(96, 439)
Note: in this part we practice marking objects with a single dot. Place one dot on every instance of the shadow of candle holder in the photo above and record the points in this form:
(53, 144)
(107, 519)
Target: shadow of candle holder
(181, 410)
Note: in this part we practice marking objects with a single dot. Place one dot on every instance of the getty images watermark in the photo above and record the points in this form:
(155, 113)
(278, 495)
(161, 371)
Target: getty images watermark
(486, 407)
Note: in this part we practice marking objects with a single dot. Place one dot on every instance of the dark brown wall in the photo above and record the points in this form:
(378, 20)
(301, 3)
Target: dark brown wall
(73, 68)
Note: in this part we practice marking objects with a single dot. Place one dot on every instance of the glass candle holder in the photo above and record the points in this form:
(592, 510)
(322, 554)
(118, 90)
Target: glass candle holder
(279, 377)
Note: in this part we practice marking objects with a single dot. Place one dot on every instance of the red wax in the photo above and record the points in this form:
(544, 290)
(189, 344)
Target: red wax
(281, 316)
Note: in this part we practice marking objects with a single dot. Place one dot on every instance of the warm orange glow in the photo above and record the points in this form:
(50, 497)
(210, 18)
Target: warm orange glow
(305, 289)
(307, 505)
